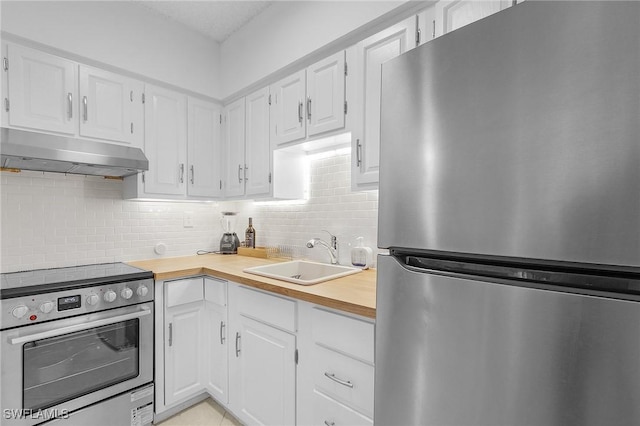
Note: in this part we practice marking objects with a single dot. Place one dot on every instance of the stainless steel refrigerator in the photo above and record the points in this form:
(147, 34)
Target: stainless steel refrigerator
(510, 205)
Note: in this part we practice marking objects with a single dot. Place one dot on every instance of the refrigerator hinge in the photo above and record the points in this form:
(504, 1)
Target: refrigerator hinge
(296, 357)
(5, 63)
(6, 104)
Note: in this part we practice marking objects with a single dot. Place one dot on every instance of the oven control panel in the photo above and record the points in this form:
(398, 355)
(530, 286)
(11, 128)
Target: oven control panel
(66, 303)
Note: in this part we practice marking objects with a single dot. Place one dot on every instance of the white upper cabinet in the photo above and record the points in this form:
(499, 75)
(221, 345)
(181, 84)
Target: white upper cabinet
(110, 106)
(233, 148)
(257, 149)
(165, 141)
(451, 15)
(288, 105)
(43, 93)
(371, 53)
(326, 94)
(310, 102)
(204, 149)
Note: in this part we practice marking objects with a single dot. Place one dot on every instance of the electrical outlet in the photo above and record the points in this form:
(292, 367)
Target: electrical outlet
(187, 220)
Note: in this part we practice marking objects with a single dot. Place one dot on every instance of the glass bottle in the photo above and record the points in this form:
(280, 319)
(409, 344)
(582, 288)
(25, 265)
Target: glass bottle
(250, 235)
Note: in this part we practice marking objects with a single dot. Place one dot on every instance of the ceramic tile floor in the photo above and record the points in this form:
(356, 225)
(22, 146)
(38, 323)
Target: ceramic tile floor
(205, 413)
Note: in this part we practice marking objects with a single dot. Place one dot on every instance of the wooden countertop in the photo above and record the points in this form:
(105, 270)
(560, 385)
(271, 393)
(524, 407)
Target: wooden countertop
(354, 293)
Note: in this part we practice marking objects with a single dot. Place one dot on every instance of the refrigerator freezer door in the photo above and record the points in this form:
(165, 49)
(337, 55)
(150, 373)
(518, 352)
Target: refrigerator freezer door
(518, 136)
(454, 351)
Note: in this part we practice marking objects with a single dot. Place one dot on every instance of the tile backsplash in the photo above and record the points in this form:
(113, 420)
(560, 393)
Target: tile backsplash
(53, 220)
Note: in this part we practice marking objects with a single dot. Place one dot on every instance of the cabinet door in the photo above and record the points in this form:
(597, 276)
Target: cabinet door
(451, 15)
(371, 54)
(183, 351)
(217, 339)
(264, 374)
(326, 95)
(110, 105)
(234, 129)
(165, 142)
(288, 107)
(427, 24)
(43, 91)
(204, 149)
(257, 148)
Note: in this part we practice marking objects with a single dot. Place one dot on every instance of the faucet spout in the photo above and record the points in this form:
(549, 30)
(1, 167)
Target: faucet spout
(332, 249)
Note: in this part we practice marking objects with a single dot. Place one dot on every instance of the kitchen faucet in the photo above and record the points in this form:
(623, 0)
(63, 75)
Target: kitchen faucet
(333, 248)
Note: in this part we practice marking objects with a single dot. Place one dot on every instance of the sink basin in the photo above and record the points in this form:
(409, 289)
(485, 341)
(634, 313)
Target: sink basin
(303, 272)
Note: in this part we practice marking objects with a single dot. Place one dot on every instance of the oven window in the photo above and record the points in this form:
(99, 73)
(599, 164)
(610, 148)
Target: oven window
(61, 368)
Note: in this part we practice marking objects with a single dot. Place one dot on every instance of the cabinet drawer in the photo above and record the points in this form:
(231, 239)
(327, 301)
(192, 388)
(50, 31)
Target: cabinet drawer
(215, 291)
(327, 412)
(345, 379)
(269, 309)
(180, 292)
(350, 335)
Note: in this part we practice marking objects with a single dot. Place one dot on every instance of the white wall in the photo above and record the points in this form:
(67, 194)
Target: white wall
(52, 220)
(287, 31)
(122, 34)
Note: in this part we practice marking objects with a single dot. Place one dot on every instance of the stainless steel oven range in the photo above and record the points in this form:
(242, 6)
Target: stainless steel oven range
(77, 346)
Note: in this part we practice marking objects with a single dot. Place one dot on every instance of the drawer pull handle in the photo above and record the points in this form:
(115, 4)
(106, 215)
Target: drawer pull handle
(328, 423)
(237, 345)
(333, 377)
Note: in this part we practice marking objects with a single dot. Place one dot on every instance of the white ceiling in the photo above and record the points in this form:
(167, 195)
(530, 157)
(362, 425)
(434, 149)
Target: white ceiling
(216, 19)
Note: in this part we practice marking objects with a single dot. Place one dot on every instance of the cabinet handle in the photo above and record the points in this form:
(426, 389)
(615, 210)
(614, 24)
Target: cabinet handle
(328, 423)
(193, 174)
(338, 380)
(131, 96)
(433, 34)
(181, 172)
(170, 334)
(358, 153)
(300, 112)
(222, 338)
(239, 173)
(85, 108)
(237, 344)
(245, 172)
(309, 108)
(70, 105)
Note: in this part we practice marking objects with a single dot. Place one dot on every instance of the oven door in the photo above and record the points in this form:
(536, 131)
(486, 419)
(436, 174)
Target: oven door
(53, 368)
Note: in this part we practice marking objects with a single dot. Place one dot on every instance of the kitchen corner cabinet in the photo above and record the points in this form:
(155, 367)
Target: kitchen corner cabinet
(262, 357)
(217, 339)
(371, 53)
(310, 102)
(183, 339)
(204, 149)
(182, 144)
(52, 94)
(336, 371)
(451, 15)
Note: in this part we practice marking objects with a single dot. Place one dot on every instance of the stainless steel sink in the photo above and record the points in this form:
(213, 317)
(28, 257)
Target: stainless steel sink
(303, 272)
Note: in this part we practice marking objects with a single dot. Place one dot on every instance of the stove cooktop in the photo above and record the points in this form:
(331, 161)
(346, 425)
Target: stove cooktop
(25, 283)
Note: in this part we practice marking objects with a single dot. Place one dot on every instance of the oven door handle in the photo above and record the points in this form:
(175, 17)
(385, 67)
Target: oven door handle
(79, 327)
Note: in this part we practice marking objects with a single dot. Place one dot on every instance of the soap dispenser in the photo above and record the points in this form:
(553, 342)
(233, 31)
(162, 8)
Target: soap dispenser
(361, 256)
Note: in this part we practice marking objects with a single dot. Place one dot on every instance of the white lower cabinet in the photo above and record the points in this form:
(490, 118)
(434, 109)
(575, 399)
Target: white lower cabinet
(217, 339)
(268, 359)
(336, 370)
(262, 360)
(183, 342)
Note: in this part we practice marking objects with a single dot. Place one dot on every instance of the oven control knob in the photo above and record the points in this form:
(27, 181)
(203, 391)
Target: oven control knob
(109, 296)
(126, 293)
(142, 291)
(46, 307)
(19, 311)
(92, 299)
